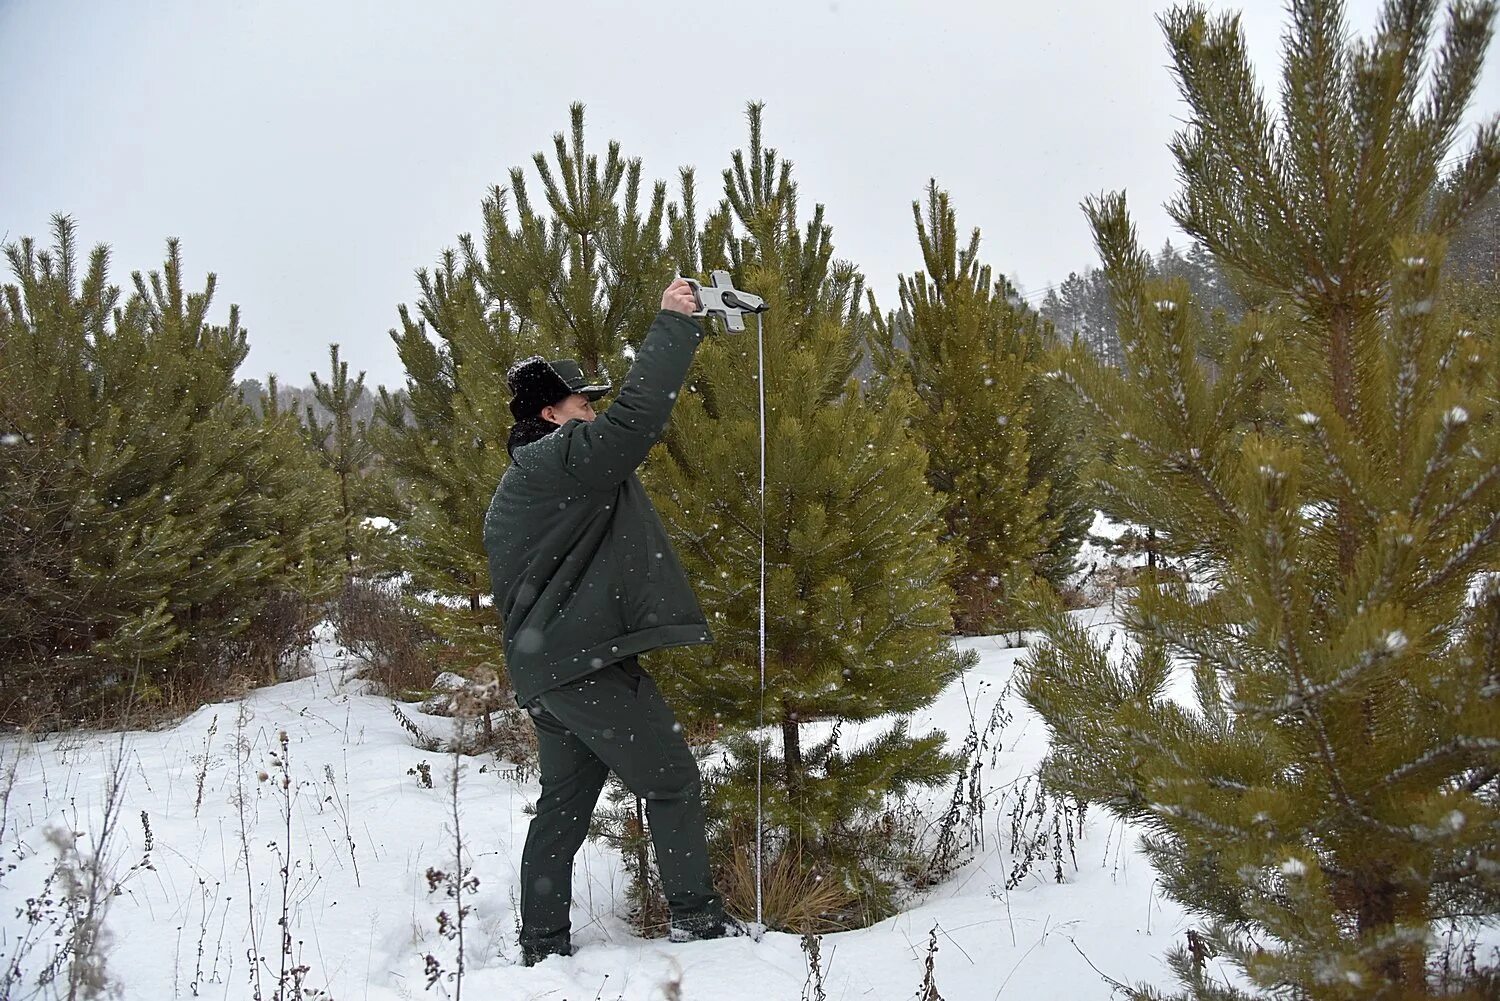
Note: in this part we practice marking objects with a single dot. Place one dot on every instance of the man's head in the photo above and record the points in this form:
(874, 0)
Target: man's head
(556, 391)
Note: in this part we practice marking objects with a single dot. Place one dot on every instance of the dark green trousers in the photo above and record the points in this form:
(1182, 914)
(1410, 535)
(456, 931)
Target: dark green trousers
(613, 720)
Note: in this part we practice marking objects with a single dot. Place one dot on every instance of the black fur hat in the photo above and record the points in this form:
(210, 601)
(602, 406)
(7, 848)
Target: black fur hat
(536, 383)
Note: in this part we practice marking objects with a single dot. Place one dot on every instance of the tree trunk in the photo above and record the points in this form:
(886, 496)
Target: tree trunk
(348, 516)
(1341, 374)
(791, 747)
(1380, 904)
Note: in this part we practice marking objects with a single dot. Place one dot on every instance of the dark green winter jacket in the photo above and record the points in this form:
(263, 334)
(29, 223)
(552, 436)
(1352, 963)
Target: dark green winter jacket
(580, 563)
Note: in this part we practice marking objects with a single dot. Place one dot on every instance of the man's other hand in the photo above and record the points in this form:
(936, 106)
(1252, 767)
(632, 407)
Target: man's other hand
(679, 298)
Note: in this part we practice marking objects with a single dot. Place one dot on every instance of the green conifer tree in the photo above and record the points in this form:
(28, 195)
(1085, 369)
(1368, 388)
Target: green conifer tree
(342, 443)
(976, 361)
(583, 280)
(1327, 795)
(305, 513)
(144, 490)
(856, 595)
(443, 446)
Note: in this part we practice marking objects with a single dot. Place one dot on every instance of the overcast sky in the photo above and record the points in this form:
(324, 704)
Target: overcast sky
(315, 153)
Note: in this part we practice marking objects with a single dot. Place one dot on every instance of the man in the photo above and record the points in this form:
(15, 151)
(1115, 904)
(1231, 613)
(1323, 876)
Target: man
(585, 579)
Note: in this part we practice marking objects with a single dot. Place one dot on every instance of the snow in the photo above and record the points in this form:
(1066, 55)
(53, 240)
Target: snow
(1105, 528)
(364, 830)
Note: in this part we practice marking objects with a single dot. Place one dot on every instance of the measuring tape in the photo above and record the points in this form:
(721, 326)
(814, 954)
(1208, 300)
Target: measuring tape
(722, 299)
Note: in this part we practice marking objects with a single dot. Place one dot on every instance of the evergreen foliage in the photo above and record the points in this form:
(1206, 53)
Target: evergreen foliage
(1474, 251)
(442, 443)
(148, 518)
(1327, 792)
(582, 279)
(343, 442)
(1080, 306)
(857, 603)
(1001, 448)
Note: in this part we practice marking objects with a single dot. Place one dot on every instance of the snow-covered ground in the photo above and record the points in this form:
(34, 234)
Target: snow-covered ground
(363, 830)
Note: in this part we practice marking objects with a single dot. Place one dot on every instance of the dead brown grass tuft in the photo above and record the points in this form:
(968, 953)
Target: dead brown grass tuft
(796, 897)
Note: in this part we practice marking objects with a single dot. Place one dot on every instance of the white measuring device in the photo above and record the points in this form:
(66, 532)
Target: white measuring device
(720, 298)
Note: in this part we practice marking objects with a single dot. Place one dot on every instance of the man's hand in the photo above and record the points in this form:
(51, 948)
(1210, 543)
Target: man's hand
(679, 298)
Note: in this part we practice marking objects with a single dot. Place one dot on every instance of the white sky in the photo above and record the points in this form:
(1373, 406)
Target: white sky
(315, 153)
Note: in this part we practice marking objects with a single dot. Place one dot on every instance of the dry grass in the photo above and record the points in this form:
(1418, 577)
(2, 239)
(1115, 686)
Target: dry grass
(796, 897)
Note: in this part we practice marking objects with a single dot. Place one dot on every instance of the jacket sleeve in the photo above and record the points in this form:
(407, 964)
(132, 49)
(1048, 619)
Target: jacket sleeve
(603, 452)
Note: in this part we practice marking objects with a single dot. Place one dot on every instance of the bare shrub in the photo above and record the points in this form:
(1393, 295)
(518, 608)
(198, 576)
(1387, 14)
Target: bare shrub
(280, 632)
(268, 649)
(419, 737)
(928, 991)
(960, 831)
(509, 735)
(1044, 829)
(60, 950)
(455, 881)
(371, 620)
(812, 987)
(489, 721)
(1456, 967)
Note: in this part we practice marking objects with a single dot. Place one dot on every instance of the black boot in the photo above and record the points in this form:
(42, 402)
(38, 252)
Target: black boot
(698, 928)
(533, 953)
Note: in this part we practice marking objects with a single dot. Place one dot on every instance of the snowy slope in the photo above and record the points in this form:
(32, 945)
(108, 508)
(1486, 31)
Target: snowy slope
(362, 919)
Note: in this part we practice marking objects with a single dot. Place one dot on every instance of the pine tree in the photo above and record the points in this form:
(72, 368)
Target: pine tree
(583, 280)
(305, 508)
(973, 358)
(1080, 307)
(1328, 793)
(856, 600)
(1474, 252)
(140, 489)
(443, 449)
(342, 443)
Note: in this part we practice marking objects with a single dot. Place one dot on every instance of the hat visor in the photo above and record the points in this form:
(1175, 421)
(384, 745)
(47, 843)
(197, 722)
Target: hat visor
(594, 392)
